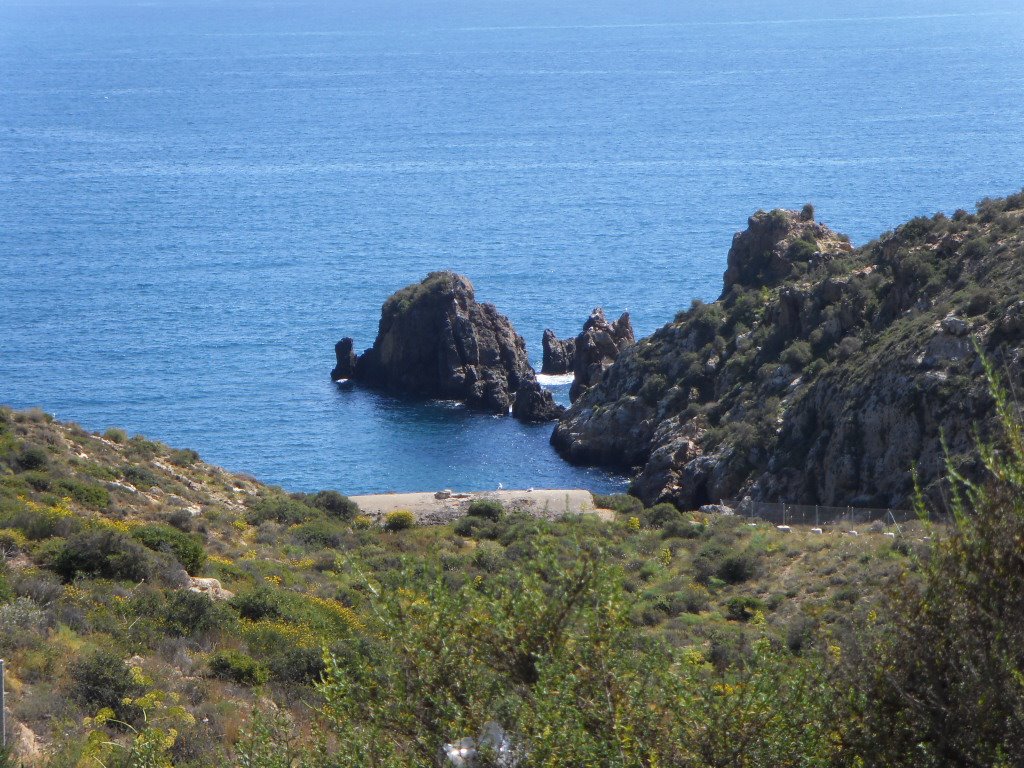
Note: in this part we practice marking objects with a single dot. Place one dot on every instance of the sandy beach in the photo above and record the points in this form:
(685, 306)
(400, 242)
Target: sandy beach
(431, 510)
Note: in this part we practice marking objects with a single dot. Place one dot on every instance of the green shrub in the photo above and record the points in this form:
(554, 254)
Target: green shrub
(101, 678)
(399, 520)
(691, 599)
(116, 435)
(32, 457)
(22, 625)
(101, 553)
(140, 476)
(489, 556)
(184, 457)
(334, 504)
(742, 607)
(660, 515)
(802, 249)
(139, 448)
(238, 667)
(321, 534)
(975, 248)
(280, 509)
(681, 528)
(86, 494)
(259, 602)
(653, 388)
(737, 568)
(621, 503)
(5, 587)
(489, 509)
(797, 355)
(186, 548)
(36, 523)
(297, 665)
(189, 614)
(12, 542)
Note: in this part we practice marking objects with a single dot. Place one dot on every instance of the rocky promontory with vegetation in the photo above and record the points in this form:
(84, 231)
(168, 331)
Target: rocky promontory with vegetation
(824, 373)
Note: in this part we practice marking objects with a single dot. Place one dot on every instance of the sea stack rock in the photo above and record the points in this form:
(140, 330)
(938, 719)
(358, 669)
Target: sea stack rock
(559, 354)
(597, 346)
(346, 367)
(435, 340)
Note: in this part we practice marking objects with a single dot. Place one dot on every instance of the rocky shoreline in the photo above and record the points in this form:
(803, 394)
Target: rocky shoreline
(822, 374)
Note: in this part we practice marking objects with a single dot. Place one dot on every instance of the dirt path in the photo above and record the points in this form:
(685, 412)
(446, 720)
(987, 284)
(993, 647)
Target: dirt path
(430, 510)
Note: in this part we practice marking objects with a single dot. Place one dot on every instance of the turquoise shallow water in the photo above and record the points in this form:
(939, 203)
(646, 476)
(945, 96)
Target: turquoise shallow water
(197, 199)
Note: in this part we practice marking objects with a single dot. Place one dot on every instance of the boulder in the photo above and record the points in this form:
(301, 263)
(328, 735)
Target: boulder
(597, 346)
(534, 404)
(559, 354)
(435, 340)
(209, 587)
(954, 325)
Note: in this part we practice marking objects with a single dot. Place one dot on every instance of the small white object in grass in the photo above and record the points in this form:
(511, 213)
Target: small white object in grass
(890, 534)
(816, 530)
(853, 533)
(752, 525)
(783, 528)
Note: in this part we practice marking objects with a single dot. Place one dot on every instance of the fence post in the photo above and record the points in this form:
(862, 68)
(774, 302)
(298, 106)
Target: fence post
(3, 705)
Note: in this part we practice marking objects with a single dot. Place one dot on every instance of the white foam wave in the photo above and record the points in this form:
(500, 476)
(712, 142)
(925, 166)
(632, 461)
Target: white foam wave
(554, 380)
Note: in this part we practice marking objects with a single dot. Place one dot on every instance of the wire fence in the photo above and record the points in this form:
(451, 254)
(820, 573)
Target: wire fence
(781, 513)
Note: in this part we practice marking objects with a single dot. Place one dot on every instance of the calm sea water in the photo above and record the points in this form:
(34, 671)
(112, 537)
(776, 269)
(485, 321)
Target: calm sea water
(197, 199)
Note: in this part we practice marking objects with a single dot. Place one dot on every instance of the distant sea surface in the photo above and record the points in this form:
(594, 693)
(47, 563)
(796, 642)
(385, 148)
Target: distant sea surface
(197, 199)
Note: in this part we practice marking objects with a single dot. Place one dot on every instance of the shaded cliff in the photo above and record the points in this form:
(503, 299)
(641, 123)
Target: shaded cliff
(822, 373)
(435, 340)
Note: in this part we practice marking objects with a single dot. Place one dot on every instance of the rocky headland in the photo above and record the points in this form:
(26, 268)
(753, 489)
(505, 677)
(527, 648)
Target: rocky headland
(823, 373)
(436, 340)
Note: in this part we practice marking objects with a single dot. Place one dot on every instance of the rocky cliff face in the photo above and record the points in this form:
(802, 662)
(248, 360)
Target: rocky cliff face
(823, 373)
(596, 348)
(558, 354)
(435, 340)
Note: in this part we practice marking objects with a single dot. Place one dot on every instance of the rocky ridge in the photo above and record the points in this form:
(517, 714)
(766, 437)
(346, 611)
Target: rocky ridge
(596, 348)
(823, 372)
(435, 340)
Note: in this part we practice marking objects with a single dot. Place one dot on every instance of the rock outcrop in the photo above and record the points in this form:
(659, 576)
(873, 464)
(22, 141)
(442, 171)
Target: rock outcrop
(777, 245)
(596, 348)
(435, 340)
(346, 366)
(823, 373)
(559, 354)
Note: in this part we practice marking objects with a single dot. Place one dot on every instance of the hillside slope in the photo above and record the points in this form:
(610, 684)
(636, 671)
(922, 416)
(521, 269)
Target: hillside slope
(105, 540)
(823, 373)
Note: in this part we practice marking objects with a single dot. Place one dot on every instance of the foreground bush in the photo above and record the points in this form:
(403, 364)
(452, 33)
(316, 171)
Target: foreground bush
(238, 667)
(488, 509)
(549, 652)
(101, 553)
(938, 679)
(186, 548)
(399, 520)
(101, 679)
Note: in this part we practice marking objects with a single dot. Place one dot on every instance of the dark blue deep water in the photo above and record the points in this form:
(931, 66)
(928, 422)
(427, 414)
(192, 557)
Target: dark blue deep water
(197, 199)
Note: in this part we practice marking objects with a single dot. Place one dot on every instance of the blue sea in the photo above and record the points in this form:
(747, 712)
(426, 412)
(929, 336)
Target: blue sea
(197, 199)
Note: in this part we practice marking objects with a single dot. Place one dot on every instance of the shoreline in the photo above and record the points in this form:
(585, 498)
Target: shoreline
(435, 508)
